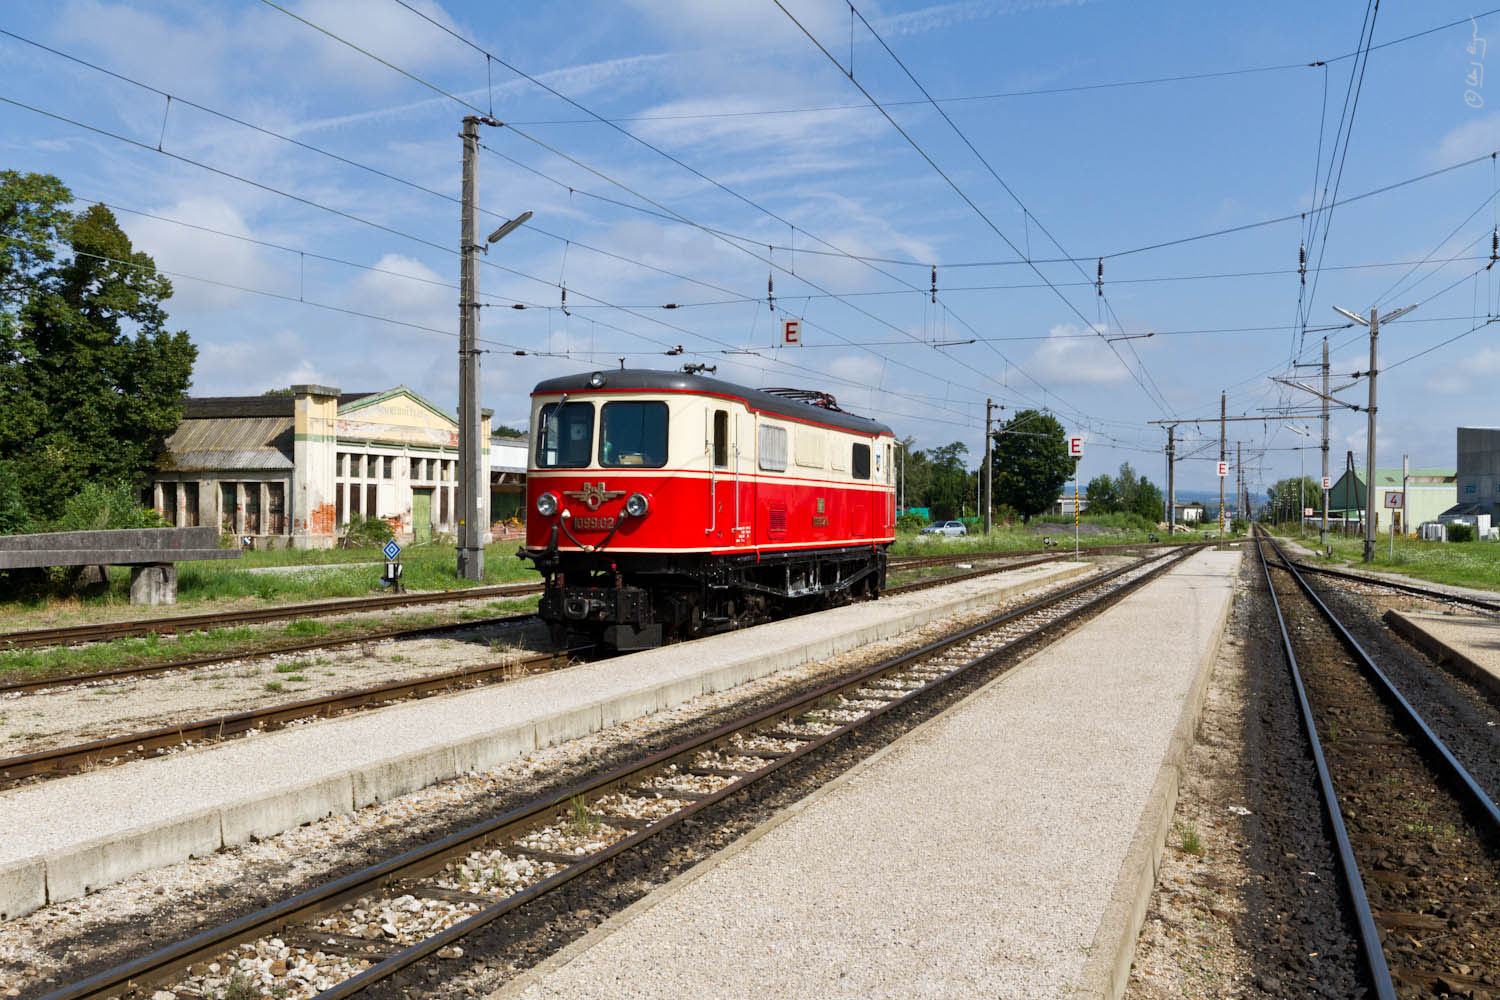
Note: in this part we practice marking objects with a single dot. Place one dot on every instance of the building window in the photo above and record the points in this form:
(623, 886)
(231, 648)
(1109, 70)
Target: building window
(169, 503)
(443, 505)
(356, 509)
(227, 505)
(275, 508)
(338, 504)
(252, 508)
(190, 505)
(370, 500)
(389, 469)
(861, 461)
(341, 464)
(416, 468)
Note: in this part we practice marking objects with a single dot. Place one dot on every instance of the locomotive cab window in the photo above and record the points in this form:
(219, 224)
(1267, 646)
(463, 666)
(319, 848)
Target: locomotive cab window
(633, 435)
(861, 461)
(567, 436)
(721, 439)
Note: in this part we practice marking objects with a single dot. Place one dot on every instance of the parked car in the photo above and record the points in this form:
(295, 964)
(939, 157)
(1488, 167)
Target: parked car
(953, 528)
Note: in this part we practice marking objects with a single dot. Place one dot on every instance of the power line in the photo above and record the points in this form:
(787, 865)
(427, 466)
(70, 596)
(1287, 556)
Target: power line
(943, 174)
(1003, 95)
(624, 187)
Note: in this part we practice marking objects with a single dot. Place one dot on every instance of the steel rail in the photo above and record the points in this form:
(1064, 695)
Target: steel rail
(1391, 694)
(167, 625)
(170, 624)
(80, 755)
(166, 666)
(158, 966)
(1369, 934)
(1406, 588)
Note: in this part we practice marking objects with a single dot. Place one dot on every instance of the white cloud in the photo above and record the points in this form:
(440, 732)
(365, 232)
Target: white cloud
(249, 366)
(1475, 137)
(208, 255)
(1459, 379)
(1068, 359)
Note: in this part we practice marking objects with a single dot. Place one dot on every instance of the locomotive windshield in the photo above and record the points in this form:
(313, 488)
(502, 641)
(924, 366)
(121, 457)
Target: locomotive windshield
(633, 435)
(566, 436)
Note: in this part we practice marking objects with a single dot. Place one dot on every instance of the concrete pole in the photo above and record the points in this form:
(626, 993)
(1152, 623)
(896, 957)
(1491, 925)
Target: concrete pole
(1239, 483)
(1323, 532)
(471, 472)
(1370, 446)
(1405, 500)
(1171, 482)
(1223, 520)
(989, 475)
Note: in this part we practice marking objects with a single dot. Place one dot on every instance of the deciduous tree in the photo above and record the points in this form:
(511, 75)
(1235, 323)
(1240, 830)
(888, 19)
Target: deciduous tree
(90, 375)
(1030, 462)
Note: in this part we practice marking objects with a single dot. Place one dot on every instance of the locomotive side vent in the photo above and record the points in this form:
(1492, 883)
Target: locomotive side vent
(776, 520)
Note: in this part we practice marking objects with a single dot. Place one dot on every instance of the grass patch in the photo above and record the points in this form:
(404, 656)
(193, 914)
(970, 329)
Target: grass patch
(274, 686)
(580, 820)
(297, 678)
(1189, 842)
(1108, 529)
(289, 668)
(1457, 564)
(427, 567)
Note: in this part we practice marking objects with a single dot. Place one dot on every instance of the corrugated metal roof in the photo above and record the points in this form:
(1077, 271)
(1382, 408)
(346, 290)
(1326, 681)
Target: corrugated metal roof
(224, 407)
(263, 442)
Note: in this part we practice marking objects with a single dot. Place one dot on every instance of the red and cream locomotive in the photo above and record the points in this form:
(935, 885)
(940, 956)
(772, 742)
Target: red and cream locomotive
(665, 504)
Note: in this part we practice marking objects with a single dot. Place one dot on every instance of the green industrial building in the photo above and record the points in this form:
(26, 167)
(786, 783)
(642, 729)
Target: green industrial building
(1429, 492)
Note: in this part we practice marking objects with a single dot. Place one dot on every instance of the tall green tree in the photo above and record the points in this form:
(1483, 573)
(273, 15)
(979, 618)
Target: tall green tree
(1103, 496)
(1030, 462)
(91, 377)
(916, 473)
(950, 481)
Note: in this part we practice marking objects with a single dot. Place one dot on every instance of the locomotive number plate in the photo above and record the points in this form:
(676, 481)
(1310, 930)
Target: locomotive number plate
(586, 523)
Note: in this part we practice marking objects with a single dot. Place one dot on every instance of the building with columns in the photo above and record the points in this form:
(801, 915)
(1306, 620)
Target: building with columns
(292, 469)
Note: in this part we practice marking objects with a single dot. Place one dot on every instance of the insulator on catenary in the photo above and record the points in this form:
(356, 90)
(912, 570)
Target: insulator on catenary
(934, 284)
(1495, 245)
(1302, 262)
(1099, 281)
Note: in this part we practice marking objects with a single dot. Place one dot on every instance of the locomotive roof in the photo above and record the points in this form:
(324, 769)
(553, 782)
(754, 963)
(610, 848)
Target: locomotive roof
(639, 379)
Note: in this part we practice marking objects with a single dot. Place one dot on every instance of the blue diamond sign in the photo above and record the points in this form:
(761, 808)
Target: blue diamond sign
(392, 550)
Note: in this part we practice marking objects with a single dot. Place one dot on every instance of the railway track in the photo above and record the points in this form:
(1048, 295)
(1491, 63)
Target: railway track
(1416, 836)
(172, 624)
(1429, 593)
(366, 927)
(34, 684)
(118, 749)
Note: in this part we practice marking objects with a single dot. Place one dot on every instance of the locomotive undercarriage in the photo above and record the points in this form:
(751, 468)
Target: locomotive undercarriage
(635, 602)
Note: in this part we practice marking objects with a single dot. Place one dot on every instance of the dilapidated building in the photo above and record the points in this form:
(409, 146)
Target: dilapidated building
(293, 469)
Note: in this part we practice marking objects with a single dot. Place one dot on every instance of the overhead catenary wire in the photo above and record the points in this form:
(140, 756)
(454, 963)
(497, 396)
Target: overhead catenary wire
(617, 183)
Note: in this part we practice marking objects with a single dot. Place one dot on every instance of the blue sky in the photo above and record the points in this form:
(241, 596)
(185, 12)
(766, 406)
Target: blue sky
(1104, 170)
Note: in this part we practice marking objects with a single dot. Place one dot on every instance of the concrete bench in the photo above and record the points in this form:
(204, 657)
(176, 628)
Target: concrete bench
(151, 553)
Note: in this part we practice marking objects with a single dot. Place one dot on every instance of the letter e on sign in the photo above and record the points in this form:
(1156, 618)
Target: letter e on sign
(1327, 483)
(1075, 447)
(1223, 469)
(791, 331)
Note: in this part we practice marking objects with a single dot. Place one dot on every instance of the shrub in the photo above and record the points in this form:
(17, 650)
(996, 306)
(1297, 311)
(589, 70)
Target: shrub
(910, 522)
(105, 505)
(1460, 532)
(366, 531)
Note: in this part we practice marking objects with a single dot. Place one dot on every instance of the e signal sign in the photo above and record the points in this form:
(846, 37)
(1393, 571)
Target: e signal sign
(1223, 469)
(791, 331)
(1075, 447)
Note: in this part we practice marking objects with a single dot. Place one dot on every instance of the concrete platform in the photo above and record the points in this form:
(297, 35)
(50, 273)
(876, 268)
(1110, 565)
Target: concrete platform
(66, 837)
(1004, 849)
(1469, 644)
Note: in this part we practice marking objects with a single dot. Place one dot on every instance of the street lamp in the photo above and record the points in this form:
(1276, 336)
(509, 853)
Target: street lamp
(1301, 478)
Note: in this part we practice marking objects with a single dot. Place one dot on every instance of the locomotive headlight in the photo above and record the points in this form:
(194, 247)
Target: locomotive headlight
(636, 505)
(546, 504)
